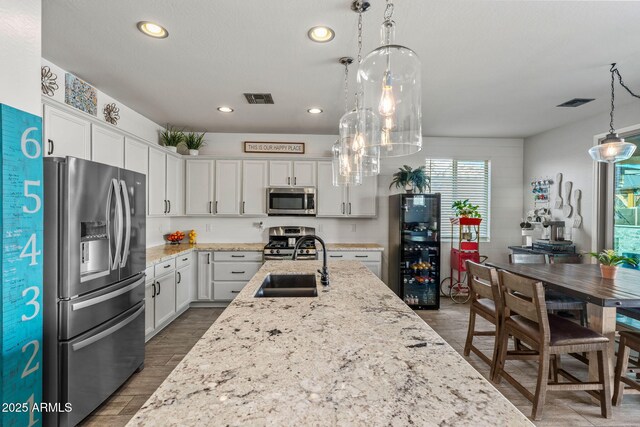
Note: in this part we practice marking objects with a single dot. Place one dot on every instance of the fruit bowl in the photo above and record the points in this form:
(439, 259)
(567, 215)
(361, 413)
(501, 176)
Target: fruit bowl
(175, 238)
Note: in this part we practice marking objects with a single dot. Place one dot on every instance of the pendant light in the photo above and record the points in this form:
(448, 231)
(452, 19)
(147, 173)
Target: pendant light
(389, 79)
(347, 165)
(613, 148)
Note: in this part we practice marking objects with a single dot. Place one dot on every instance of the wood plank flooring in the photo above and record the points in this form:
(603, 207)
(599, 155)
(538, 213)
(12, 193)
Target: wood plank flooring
(165, 350)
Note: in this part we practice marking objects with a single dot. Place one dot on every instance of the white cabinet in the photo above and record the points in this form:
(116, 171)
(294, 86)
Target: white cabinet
(351, 201)
(232, 271)
(165, 299)
(254, 183)
(371, 259)
(284, 173)
(199, 187)
(227, 185)
(184, 279)
(204, 285)
(107, 146)
(149, 307)
(165, 183)
(66, 134)
(136, 156)
(363, 198)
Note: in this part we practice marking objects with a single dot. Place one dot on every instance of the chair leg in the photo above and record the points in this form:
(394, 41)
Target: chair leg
(604, 378)
(496, 351)
(553, 370)
(502, 355)
(470, 331)
(541, 386)
(583, 317)
(621, 369)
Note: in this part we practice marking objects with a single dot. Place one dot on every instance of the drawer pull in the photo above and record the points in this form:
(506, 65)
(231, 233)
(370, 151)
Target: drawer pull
(336, 256)
(235, 292)
(167, 266)
(362, 256)
(237, 256)
(185, 259)
(238, 272)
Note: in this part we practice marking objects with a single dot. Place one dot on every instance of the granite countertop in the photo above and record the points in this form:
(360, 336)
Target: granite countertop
(354, 355)
(161, 253)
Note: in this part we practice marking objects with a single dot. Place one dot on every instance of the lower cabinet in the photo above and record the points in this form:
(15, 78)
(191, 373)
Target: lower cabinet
(184, 279)
(149, 307)
(165, 298)
(371, 259)
(204, 284)
(222, 275)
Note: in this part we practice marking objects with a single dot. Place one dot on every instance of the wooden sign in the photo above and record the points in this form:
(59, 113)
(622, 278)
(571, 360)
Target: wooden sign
(21, 307)
(274, 147)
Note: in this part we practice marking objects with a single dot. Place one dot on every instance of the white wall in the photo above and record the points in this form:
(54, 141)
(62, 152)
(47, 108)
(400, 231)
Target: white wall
(20, 50)
(564, 149)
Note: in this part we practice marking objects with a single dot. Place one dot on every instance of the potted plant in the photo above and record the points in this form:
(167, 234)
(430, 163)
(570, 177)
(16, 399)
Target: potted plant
(194, 141)
(171, 138)
(609, 262)
(465, 209)
(411, 179)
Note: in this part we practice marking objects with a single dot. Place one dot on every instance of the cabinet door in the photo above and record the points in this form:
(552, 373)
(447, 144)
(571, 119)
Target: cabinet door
(205, 265)
(199, 187)
(184, 278)
(304, 174)
(254, 184)
(175, 186)
(136, 156)
(374, 267)
(107, 146)
(165, 298)
(227, 187)
(362, 198)
(156, 180)
(280, 172)
(330, 198)
(66, 135)
(149, 308)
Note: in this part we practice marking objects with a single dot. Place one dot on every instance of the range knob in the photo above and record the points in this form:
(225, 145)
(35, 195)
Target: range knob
(271, 251)
(307, 251)
(277, 251)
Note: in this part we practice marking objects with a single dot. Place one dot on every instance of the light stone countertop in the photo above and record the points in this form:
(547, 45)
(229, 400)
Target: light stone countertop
(162, 253)
(356, 355)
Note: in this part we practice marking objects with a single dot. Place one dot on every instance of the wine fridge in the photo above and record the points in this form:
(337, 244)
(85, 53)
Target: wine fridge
(414, 249)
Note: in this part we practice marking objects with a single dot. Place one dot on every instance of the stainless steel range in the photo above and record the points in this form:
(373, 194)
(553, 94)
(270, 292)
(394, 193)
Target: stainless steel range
(282, 241)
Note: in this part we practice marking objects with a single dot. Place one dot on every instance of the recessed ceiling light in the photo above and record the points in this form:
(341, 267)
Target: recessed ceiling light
(152, 29)
(225, 109)
(314, 110)
(321, 34)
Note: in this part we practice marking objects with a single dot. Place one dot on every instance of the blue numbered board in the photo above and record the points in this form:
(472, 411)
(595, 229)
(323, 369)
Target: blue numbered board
(21, 223)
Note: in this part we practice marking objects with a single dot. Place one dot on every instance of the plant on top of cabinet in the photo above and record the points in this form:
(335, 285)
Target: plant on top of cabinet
(411, 179)
(172, 138)
(464, 208)
(194, 141)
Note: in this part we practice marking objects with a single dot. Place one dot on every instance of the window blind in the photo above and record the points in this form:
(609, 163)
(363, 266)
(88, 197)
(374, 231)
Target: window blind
(459, 180)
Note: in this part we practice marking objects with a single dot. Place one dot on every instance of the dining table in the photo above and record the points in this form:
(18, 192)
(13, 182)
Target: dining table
(584, 282)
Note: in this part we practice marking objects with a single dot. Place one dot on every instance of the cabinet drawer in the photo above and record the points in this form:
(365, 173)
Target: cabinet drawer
(237, 256)
(148, 272)
(184, 259)
(363, 256)
(165, 267)
(240, 271)
(226, 291)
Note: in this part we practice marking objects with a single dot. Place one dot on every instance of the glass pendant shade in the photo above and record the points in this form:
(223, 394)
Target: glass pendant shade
(351, 145)
(389, 79)
(342, 168)
(612, 149)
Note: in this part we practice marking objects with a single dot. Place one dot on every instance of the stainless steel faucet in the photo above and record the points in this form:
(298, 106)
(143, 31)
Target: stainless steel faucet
(324, 272)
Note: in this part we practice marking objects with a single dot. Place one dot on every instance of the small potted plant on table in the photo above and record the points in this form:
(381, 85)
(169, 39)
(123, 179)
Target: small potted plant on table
(194, 142)
(411, 179)
(609, 262)
(171, 138)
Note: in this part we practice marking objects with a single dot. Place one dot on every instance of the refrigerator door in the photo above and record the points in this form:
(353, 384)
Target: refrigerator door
(133, 250)
(92, 227)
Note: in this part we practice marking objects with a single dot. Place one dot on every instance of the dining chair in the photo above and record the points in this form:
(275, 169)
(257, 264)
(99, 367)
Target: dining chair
(557, 301)
(486, 303)
(525, 317)
(628, 341)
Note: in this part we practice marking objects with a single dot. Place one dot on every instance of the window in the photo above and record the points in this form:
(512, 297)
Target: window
(626, 203)
(459, 180)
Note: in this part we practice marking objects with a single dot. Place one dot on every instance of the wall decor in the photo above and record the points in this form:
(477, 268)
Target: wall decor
(274, 147)
(577, 220)
(80, 94)
(558, 204)
(567, 210)
(111, 113)
(49, 83)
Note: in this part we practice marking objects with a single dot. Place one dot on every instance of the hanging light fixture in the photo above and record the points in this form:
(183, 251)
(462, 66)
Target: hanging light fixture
(347, 166)
(389, 79)
(613, 148)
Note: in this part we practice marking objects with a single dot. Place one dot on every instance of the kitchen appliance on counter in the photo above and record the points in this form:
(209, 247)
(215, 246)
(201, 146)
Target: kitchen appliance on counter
(282, 241)
(291, 201)
(93, 295)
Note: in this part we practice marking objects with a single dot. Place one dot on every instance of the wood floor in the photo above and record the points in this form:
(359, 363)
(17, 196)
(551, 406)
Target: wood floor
(165, 350)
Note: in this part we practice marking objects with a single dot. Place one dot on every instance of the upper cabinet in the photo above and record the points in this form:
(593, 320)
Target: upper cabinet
(199, 187)
(107, 146)
(66, 134)
(165, 183)
(351, 201)
(254, 184)
(136, 156)
(363, 198)
(284, 173)
(227, 185)
(175, 186)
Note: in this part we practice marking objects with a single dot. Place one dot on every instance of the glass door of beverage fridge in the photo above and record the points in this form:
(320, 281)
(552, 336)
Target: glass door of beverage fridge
(420, 250)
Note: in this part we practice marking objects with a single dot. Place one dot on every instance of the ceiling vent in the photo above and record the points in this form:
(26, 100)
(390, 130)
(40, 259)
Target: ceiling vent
(259, 98)
(576, 102)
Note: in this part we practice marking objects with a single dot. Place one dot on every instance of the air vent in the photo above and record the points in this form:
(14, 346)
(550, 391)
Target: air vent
(259, 98)
(576, 102)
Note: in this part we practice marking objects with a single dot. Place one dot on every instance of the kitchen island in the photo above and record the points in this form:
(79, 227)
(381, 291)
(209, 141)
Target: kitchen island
(354, 355)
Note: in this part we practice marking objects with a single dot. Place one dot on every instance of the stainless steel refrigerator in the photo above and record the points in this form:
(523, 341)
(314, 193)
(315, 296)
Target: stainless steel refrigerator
(95, 257)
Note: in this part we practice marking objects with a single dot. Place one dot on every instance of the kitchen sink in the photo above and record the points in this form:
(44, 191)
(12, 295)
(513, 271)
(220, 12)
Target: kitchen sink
(288, 286)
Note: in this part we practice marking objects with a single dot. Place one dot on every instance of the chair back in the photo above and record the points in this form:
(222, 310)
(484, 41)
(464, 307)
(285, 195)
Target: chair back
(527, 259)
(483, 282)
(565, 259)
(525, 297)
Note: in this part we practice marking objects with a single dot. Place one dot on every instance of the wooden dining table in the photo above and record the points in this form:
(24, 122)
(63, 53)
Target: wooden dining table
(585, 283)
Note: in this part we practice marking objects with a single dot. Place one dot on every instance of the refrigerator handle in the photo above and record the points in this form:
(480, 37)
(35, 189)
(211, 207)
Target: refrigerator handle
(118, 222)
(127, 211)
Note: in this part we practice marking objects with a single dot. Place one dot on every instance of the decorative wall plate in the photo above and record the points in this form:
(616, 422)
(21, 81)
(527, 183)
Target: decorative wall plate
(111, 113)
(49, 84)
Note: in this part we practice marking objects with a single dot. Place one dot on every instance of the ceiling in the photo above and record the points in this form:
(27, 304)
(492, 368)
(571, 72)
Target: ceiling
(489, 68)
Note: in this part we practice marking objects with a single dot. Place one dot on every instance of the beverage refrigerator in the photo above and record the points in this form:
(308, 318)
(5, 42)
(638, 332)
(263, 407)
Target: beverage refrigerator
(414, 249)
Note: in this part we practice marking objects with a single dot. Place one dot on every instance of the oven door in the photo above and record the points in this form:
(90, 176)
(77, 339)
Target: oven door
(298, 201)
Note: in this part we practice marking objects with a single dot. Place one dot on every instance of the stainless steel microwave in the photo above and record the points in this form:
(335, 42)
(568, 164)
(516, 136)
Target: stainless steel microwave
(297, 201)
